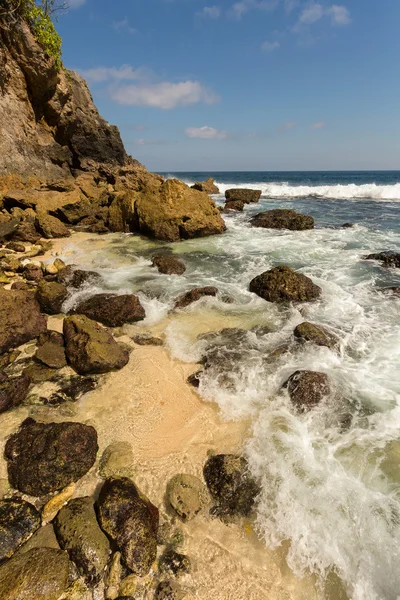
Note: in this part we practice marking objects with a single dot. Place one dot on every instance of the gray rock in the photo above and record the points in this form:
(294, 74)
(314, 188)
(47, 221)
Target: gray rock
(187, 495)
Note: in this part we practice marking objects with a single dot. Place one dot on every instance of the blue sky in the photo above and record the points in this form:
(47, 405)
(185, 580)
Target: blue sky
(248, 85)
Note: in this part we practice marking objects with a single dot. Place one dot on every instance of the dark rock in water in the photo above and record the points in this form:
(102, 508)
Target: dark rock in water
(309, 332)
(131, 521)
(77, 277)
(50, 227)
(46, 457)
(18, 521)
(33, 273)
(52, 355)
(79, 533)
(13, 391)
(26, 232)
(175, 563)
(20, 319)
(51, 296)
(236, 205)
(168, 590)
(230, 484)
(283, 219)
(394, 291)
(388, 259)
(40, 574)
(90, 348)
(243, 195)
(206, 186)
(169, 265)
(194, 295)
(307, 388)
(347, 225)
(194, 379)
(147, 340)
(7, 228)
(187, 495)
(76, 387)
(282, 284)
(112, 310)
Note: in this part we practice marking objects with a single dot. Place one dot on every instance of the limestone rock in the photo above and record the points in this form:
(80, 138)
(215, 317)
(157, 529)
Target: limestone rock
(168, 265)
(40, 574)
(309, 332)
(13, 391)
(51, 296)
(18, 521)
(236, 205)
(131, 521)
(79, 533)
(244, 195)
(50, 227)
(282, 284)
(20, 319)
(230, 484)
(187, 495)
(307, 389)
(46, 457)
(283, 219)
(26, 232)
(112, 310)
(90, 348)
(117, 460)
(208, 186)
(194, 295)
(7, 228)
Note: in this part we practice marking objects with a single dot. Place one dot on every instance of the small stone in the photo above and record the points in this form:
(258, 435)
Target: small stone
(52, 355)
(18, 520)
(33, 273)
(55, 504)
(175, 563)
(194, 379)
(128, 587)
(113, 578)
(194, 295)
(147, 340)
(16, 246)
(51, 269)
(59, 264)
(168, 265)
(187, 495)
(168, 590)
(117, 461)
(307, 388)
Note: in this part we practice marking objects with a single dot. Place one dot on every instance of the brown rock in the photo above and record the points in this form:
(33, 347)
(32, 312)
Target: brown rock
(309, 332)
(76, 278)
(13, 391)
(307, 389)
(236, 205)
(33, 273)
(16, 246)
(52, 355)
(20, 319)
(7, 228)
(18, 520)
(168, 265)
(112, 310)
(282, 284)
(244, 195)
(51, 296)
(283, 219)
(388, 259)
(208, 186)
(194, 295)
(50, 227)
(26, 232)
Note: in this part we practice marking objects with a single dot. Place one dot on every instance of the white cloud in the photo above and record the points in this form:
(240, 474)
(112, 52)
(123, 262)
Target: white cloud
(212, 12)
(76, 3)
(339, 15)
(205, 133)
(311, 14)
(270, 46)
(318, 125)
(165, 95)
(124, 25)
(287, 126)
(238, 9)
(103, 74)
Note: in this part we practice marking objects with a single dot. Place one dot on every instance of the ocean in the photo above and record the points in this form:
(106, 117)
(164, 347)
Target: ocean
(331, 476)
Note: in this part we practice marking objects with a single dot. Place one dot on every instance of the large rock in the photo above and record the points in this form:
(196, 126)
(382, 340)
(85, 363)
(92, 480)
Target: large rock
(283, 219)
(13, 391)
(175, 212)
(388, 259)
(18, 521)
(187, 495)
(40, 574)
(208, 186)
(235, 205)
(76, 278)
(194, 295)
(230, 484)
(46, 457)
(50, 227)
(112, 310)
(131, 521)
(168, 265)
(52, 355)
(7, 228)
(51, 296)
(90, 348)
(20, 319)
(308, 332)
(26, 232)
(307, 388)
(282, 284)
(78, 532)
(243, 195)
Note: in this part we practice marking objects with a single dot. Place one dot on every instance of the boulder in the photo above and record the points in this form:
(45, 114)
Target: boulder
(177, 212)
(168, 265)
(79, 533)
(194, 295)
(230, 484)
(76, 278)
(307, 389)
(20, 319)
(40, 574)
(18, 521)
(46, 457)
(112, 310)
(26, 232)
(52, 355)
(283, 219)
(76, 211)
(282, 284)
(131, 521)
(50, 227)
(388, 259)
(7, 228)
(208, 186)
(13, 391)
(51, 296)
(243, 195)
(236, 205)
(187, 495)
(308, 332)
(90, 348)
